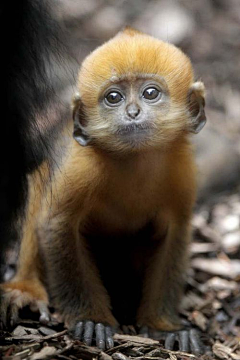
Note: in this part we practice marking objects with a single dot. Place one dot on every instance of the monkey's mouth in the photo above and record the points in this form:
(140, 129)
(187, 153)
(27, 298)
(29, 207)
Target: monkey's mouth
(136, 129)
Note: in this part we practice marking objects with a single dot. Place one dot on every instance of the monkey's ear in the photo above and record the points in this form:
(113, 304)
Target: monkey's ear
(79, 120)
(196, 103)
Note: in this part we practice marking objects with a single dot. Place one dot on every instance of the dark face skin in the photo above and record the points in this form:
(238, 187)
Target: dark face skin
(133, 105)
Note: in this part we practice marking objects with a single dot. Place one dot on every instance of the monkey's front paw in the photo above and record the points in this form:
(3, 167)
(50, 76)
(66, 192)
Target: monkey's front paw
(184, 340)
(16, 295)
(94, 333)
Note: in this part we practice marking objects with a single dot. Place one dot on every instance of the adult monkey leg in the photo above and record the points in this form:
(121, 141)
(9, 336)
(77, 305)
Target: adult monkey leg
(26, 287)
(31, 40)
(163, 288)
(74, 285)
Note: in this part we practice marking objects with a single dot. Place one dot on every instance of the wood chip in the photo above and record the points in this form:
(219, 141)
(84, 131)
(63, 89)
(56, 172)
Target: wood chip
(104, 356)
(154, 353)
(25, 337)
(44, 353)
(46, 331)
(119, 356)
(216, 283)
(119, 347)
(86, 352)
(23, 354)
(221, 351)
(197, 248)
(19, 331)
(36, 337)
(228, 269)
(136, 339)
(199, 319)
(172, 357)
(133, 352)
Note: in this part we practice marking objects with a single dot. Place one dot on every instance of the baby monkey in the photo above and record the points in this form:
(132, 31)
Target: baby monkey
(112, 233)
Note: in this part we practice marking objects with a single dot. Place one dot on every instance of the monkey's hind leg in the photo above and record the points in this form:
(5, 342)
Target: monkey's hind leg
(162, 292)
(74, 284)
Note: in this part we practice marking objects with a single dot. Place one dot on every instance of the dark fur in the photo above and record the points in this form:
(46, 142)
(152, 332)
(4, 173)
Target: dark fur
(29, 36)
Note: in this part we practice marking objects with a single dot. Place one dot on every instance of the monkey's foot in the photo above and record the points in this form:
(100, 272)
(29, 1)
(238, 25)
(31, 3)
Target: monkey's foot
(184, 340)
(16, 295)
(94, 333)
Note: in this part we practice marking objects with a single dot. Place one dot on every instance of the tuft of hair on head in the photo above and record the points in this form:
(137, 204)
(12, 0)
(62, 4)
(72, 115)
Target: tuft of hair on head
(129, 31)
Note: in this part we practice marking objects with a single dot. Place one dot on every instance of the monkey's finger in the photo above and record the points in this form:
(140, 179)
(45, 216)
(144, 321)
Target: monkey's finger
(44, 312)
(100, 336)
(88, 332)
(109, 337)
(170, 340)
(196, 345)
(78, 331)
(183, 337)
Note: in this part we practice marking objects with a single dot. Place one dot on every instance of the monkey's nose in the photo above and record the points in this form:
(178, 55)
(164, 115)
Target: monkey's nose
(133, 111)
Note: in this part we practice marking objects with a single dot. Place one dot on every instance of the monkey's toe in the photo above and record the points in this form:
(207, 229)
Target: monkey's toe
(94, 334)
(188, 340)
(185, 340)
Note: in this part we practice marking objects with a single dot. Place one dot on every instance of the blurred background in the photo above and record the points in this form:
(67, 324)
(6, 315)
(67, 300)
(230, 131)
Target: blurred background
(208, 31)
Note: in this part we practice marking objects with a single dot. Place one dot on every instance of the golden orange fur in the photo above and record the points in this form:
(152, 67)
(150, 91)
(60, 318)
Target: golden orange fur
(128, 55)
(110, 189)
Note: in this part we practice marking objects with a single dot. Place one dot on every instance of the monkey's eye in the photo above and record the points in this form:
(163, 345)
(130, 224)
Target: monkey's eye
(151, 93)
(113, 98)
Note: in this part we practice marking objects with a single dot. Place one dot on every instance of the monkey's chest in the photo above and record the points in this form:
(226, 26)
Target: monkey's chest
(125, 209)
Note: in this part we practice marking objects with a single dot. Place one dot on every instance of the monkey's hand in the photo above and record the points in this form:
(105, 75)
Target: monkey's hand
(92, 333)
(187, 340)
(15, 295)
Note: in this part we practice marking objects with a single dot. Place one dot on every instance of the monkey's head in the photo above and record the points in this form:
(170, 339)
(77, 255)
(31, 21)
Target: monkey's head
(136, 92)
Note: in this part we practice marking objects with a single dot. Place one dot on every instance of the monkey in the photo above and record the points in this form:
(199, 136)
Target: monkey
(31, 46)
(108, 245)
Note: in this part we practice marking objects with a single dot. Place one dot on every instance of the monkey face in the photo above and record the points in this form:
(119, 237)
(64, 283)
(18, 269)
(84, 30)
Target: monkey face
(132, 108)
(136, 92)
(133, 113)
